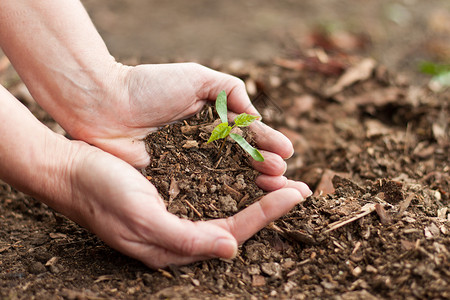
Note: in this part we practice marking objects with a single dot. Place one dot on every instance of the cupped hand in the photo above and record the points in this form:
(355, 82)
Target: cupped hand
(142, 99)
(118, 204)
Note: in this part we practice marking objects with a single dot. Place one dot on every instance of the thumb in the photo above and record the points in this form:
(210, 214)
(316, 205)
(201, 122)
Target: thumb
(200, 238)
(238, 100)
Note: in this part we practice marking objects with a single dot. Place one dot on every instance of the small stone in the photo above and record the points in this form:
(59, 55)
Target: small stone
(272, 269)
(328, 285)
(356, 271)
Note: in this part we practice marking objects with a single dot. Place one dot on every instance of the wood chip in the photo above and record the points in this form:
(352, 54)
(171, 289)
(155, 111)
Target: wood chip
(258, 280)
(385, 218)
(229, 190)
(103, 278)
(165, 273)
(300, 236)
(52, 261)
(57, 235)
(243, 201)
(188, 129)
(404, 205)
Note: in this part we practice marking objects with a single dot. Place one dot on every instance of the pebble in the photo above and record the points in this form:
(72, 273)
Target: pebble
(272, 269)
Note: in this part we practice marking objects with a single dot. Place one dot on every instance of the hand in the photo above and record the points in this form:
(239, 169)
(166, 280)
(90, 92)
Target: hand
(125, 210)
(138, 100)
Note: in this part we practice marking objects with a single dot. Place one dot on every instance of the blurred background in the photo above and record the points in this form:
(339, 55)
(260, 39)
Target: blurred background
(400, 34)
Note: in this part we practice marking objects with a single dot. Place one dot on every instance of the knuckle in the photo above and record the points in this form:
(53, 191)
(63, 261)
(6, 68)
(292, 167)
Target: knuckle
(231, 224)
(187, 245)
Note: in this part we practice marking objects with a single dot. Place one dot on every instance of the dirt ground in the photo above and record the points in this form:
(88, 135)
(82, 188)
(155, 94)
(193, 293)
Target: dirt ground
(371, 139)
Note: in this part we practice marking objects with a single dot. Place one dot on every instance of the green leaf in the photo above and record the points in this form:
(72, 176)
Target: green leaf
(221, 106)
(221, 131)
(434, 69)
(244, 120)
(247, 147)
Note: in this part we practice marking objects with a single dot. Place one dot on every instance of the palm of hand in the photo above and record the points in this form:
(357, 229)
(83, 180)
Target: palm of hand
(125, 210)
(151, 96)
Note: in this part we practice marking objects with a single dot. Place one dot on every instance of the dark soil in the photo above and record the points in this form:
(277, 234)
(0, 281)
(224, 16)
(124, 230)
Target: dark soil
(374, 149)
(205, 182)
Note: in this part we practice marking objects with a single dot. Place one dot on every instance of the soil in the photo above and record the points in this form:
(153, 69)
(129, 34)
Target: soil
(374, 148)
(205, 182)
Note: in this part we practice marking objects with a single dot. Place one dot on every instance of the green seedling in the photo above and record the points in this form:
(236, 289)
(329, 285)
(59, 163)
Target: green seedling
(223, 130)
(440, 72)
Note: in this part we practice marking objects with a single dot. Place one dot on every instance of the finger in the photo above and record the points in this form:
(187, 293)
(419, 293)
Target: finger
(271, 183)
(130, 150)
(258, 215)
(237, 97)
(157, 257)
(269, 139)
(187, 238)
(272, 165)
(164, 258)
(301, 187)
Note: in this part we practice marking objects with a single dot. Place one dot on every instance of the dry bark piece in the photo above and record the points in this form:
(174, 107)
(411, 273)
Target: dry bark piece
(301, 237)
(190, 144)
(385, 218)
(174, 190)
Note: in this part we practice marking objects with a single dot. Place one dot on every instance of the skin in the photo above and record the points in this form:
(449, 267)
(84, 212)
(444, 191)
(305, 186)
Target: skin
(108, 108)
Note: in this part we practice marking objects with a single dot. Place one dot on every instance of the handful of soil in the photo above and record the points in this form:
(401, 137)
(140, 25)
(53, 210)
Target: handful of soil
(194, 179)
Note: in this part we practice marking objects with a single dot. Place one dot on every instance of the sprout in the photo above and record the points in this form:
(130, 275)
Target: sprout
(223, 130)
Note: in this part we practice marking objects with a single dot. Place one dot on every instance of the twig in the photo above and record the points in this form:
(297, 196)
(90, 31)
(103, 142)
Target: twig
(366, 209)
(193, 208)
(218, 162)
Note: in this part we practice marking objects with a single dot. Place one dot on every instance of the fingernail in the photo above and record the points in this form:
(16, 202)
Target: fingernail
(225, 248)
(305, 190)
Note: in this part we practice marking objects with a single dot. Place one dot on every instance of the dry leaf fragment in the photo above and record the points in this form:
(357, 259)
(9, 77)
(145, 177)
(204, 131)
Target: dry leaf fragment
(57, 235)
(359, 72)
(174, 190)
(190, 144)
